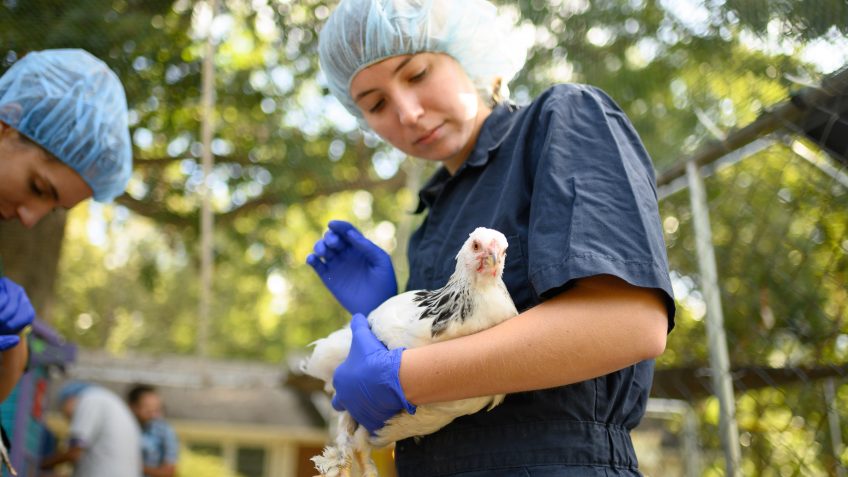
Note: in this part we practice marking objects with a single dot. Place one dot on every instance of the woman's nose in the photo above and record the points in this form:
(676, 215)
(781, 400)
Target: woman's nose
(409, 109)
(29, 214)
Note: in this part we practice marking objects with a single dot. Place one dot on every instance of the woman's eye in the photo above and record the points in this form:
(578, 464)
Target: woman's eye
(377, 107)
(34, 187)
(419, 76)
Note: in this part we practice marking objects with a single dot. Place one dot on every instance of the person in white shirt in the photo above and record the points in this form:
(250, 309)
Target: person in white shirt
(105, 439)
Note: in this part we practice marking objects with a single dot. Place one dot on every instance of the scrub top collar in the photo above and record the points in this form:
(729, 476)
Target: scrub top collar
(492, 135)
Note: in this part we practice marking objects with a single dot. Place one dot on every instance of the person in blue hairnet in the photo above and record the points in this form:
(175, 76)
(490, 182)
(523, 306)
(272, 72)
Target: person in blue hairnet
(64, 138)
(568, 182)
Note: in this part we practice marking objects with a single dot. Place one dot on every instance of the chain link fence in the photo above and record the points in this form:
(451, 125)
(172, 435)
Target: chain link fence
(756, 222)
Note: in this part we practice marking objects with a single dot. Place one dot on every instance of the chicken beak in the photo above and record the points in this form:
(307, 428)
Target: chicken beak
(492, 258)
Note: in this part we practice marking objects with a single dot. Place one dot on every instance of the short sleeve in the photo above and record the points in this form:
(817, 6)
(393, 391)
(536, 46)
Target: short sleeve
(171, 445)
(85, 421)
(594, 204)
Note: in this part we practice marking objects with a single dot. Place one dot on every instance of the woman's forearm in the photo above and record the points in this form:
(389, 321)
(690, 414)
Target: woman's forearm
(599, 326)
(12, 367)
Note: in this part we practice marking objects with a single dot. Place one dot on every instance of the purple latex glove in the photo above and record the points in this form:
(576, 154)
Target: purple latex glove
(367, 383)
(357, 272)
(16, 312)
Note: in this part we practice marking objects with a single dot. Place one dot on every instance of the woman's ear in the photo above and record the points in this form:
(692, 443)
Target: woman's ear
(496, 97)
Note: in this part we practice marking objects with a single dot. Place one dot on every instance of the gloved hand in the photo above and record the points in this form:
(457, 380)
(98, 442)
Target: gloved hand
(8, 342)
(367, 383)
(358, 273)
(16, 312)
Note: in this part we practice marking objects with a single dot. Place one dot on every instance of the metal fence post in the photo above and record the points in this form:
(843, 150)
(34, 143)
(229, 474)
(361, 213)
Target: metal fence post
(207, 219)
(717, 341)
(690, 442)
(691, 452)
(836, 444)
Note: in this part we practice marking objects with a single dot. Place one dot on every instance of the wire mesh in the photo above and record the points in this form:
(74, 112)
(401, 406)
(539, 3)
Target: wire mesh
(780, 235)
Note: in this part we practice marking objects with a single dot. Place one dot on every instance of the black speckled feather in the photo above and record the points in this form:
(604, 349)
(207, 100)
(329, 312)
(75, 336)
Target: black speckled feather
(445, 305)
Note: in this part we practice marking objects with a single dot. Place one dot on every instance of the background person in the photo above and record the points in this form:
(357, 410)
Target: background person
(159, 444)
(105, 440)
(568, 182)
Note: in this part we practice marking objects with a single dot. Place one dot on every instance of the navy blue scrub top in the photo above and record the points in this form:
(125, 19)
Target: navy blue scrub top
(568, 182)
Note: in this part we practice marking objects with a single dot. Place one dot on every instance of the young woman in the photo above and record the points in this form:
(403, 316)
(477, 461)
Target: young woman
(63, 138)
(568, 182)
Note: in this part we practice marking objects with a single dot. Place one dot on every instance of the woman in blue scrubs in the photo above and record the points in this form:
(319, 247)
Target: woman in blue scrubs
(567, 181)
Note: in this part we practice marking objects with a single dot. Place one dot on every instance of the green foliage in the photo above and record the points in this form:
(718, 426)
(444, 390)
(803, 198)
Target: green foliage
(198, 464)
(779, 231)
(808, 19)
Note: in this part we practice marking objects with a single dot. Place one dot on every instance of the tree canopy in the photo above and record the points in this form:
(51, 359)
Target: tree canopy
(288, 157)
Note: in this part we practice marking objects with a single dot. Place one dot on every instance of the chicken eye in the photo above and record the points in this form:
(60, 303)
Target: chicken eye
(475, 246)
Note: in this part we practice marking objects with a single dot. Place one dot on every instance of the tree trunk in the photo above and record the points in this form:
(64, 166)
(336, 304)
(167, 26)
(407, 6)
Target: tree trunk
(30, 257)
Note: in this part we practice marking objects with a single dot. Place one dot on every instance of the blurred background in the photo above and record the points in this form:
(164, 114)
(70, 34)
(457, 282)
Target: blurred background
(195, 281)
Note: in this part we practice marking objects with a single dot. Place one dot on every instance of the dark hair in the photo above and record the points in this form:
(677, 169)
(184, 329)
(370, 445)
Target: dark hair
(137, 391)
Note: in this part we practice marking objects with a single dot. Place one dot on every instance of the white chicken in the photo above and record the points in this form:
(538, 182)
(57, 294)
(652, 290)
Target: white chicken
(475, 298)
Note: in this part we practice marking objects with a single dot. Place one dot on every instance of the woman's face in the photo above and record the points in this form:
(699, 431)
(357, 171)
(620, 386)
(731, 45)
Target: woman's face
(423, 104)
(34, 182)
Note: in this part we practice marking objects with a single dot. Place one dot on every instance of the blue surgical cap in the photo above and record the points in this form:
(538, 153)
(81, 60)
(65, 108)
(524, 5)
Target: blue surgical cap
(360, 33)
(71, 104)
(72, 390)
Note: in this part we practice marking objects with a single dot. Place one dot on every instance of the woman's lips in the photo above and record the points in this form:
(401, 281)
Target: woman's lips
(430, 136)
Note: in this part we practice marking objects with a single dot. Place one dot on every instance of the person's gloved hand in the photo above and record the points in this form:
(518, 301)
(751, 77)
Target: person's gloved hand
(8, 342)
(367, 384)
(16, 313)
(358, 273)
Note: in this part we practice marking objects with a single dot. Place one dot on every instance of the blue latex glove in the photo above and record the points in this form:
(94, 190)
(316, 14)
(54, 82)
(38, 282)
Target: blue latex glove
(8, 342)
(358, 273)
(367, 383)
(16, 312)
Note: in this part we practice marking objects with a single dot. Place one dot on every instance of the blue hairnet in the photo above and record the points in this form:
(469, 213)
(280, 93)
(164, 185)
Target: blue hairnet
(71, 104)
(72, 390)
(360, 33)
